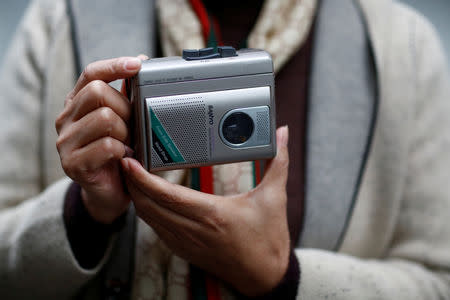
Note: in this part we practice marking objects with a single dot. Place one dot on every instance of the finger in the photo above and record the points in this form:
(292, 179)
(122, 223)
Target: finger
(102, 122)
(93, 156)
(277, 169)
(107, 70)
(190, 203)
(99, 94)
(166, 234)
(123, 88)
(154, 214)
(170, 238)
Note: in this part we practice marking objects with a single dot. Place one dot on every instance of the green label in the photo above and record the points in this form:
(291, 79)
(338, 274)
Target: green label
(162, 143)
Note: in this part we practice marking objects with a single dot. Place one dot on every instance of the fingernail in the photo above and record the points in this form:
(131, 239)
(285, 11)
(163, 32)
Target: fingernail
(132, 63)
(284, 136)
(125, 165)
(128, 152)
(143, 57)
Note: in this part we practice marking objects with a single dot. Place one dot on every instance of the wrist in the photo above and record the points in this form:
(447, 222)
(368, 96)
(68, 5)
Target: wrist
(287, 287)
(267, 277)
(99, 212)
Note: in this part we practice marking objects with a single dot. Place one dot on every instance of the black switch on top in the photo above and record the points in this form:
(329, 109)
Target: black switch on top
(226, 51)
(190, 53)
(206, 51)
(209, 53)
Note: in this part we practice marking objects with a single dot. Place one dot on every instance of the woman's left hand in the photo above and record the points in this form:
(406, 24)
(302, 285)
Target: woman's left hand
(241, 239)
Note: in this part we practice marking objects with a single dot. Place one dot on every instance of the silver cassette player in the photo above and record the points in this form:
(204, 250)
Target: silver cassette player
(207, 107)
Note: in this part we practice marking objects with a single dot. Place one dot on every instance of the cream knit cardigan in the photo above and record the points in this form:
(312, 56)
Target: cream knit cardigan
(397, 245)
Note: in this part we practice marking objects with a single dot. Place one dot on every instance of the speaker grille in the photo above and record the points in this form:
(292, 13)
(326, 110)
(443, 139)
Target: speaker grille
(184, 120)
(262, 126)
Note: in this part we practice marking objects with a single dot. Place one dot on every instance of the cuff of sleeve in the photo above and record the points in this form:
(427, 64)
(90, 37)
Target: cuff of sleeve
(288, 286)
(88, 238)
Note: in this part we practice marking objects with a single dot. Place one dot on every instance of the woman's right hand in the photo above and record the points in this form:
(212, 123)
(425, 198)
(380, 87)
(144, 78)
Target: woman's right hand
(92, 135)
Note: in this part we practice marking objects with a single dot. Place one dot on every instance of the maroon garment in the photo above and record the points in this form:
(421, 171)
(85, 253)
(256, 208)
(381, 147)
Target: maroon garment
(88, 238)
(291, 99)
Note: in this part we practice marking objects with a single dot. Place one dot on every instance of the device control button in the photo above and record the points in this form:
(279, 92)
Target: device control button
(206, 51)
(190, 53)
(226, 51)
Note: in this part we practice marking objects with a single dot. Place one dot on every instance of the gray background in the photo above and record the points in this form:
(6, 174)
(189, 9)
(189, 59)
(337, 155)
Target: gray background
(438, 11)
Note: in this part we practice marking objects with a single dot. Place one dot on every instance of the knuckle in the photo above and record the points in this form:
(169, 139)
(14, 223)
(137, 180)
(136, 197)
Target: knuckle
(107, 116)
(59, 122)
(88, 72)
(117, 65)
(60, 141)
(284, 161)
(107, 145)
(75, 165)
(67, 166)
(69, 96)
(96, 88)
(68, 100)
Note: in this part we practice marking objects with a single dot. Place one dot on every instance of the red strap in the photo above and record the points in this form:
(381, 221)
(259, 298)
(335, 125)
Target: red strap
(206, 173)
(257, 171)
(202, 15)
(206, 21)
(206, 180)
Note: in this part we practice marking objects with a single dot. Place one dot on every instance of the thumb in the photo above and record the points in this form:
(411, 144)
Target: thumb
(277, 169)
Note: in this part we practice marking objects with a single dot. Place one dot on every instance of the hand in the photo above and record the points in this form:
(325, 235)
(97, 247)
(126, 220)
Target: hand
(242, 239)
(92, 134)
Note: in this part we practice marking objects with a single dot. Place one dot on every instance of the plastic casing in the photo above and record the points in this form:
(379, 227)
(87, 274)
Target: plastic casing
(171, 76)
